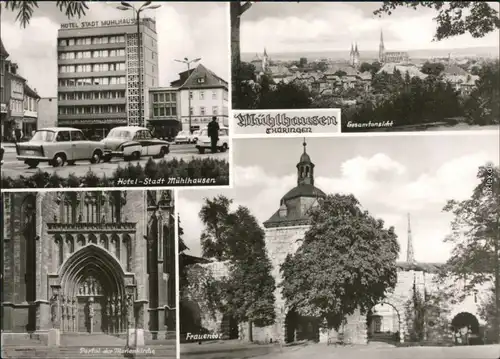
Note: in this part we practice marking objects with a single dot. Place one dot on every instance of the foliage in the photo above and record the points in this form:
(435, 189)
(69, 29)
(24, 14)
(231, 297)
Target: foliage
(474, 230)
(453, 18)
(372, 68)
(346, 261)
(263, 93)
(408, 101)
(487, 311)
(183, 269)
(216, 171)
(483, 105)
(475, 234)
(236, 237)
(432, 68)
(26, 9)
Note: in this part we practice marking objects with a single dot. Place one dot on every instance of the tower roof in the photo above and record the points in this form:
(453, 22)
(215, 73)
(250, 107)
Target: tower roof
(305, 157)
(3, 51)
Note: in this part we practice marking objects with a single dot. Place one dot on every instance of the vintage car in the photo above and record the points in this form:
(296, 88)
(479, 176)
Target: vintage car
(204, 142)
(132, 142)
(182, 137)
(194, 136)
(57, 146)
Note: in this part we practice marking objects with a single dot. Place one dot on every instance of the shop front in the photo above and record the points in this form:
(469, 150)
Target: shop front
(164, 128)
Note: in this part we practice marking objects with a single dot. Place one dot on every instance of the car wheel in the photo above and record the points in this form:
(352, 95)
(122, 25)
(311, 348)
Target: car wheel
(59, 160)
(106, 158)
(201, 150)
(163, 152)
(127, 158)
(136, 156)
(71, 163)
(32, 163)
(224, 147)
(96, 157)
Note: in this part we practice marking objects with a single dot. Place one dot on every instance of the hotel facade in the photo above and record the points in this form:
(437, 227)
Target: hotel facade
(99, 74)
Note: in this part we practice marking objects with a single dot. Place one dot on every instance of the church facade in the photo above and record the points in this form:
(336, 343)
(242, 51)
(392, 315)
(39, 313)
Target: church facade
(391, 57)
(88, 262)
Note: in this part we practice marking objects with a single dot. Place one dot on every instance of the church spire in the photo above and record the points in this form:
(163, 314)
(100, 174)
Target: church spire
(305, 168)
(381, 48)
(410, 257)
(356, 49)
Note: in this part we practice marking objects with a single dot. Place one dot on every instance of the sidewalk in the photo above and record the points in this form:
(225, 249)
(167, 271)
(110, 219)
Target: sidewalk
(8, 144)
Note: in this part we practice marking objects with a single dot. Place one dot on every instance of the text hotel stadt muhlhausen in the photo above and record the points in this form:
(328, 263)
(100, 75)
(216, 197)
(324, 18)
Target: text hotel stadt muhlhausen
(281, 123)
(169, 181)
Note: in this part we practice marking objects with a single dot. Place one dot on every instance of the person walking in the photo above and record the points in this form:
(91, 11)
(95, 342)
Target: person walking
(213, 133)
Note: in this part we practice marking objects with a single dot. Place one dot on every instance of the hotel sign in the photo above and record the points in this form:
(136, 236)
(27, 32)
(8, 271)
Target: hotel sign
(102, 23)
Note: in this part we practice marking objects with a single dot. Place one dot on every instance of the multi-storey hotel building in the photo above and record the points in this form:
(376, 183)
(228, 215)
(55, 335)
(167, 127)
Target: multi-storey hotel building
(98, 74)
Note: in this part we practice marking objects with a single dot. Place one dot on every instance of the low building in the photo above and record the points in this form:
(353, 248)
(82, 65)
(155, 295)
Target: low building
(47, 112)
(3, 95)
(31, 98)
(14, 86)
(164, 116)
(201, 95)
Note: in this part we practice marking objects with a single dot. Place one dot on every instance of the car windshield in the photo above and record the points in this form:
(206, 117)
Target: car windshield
(45, 136)
(180, 134)
(122, 134)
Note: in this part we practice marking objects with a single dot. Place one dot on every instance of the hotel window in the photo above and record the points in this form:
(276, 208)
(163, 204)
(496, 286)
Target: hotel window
(162, 111)
(201, 80)
(155, 97)
(202, 95)
(191, 111)
(63, 43)
(191, 95)
(155, 112)
(167, 97)
(215, 110)
(214, 95)
(161, 97)
(173, 111)
(202, 111)
(71, 42)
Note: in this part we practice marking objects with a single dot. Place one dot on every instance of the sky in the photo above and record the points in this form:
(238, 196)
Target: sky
(322, 26)
(184, 29)
(390, 175)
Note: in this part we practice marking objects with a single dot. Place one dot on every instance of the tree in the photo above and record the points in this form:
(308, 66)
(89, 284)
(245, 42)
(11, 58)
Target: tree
(452, 18)
(432, 68)
(26, 9)
(183, 283)
(482, 107)
(346, 261)
(487, 311)
(236, 237)
(236, 9)
(286, 96)
(475, 235)
(214, 214)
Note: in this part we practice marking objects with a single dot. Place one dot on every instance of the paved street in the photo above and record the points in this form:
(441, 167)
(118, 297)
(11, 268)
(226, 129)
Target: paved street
(235, 350)
(14, 168)
(232, 349)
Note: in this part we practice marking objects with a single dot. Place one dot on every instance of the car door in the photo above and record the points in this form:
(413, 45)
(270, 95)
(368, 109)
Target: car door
(80, 146)
(139, 135)
(63, 144)
(150, 143)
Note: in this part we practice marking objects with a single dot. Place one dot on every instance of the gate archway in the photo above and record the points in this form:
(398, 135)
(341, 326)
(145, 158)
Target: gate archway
(388, 326)
(93, 295)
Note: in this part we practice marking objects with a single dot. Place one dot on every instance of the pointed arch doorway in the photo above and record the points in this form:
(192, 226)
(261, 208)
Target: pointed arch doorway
(93, 296)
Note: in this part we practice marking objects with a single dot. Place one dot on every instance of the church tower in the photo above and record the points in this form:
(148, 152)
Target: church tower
(265, 61)
(381, 48)
(410, 256)
(305, 169)
(355, 62)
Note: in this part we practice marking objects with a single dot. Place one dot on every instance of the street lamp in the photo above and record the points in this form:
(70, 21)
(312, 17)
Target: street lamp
(125, 6)
(188, 63)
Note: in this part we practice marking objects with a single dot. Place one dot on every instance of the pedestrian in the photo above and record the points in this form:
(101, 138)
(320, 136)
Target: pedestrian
(213, 133)
(18, 134)
(13, 134)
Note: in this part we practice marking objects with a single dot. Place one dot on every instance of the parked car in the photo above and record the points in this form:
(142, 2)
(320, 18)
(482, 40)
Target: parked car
(182, 137)
(2, 151)
(194, 136)
(203, 143)
(57, 146)
(133, 142)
